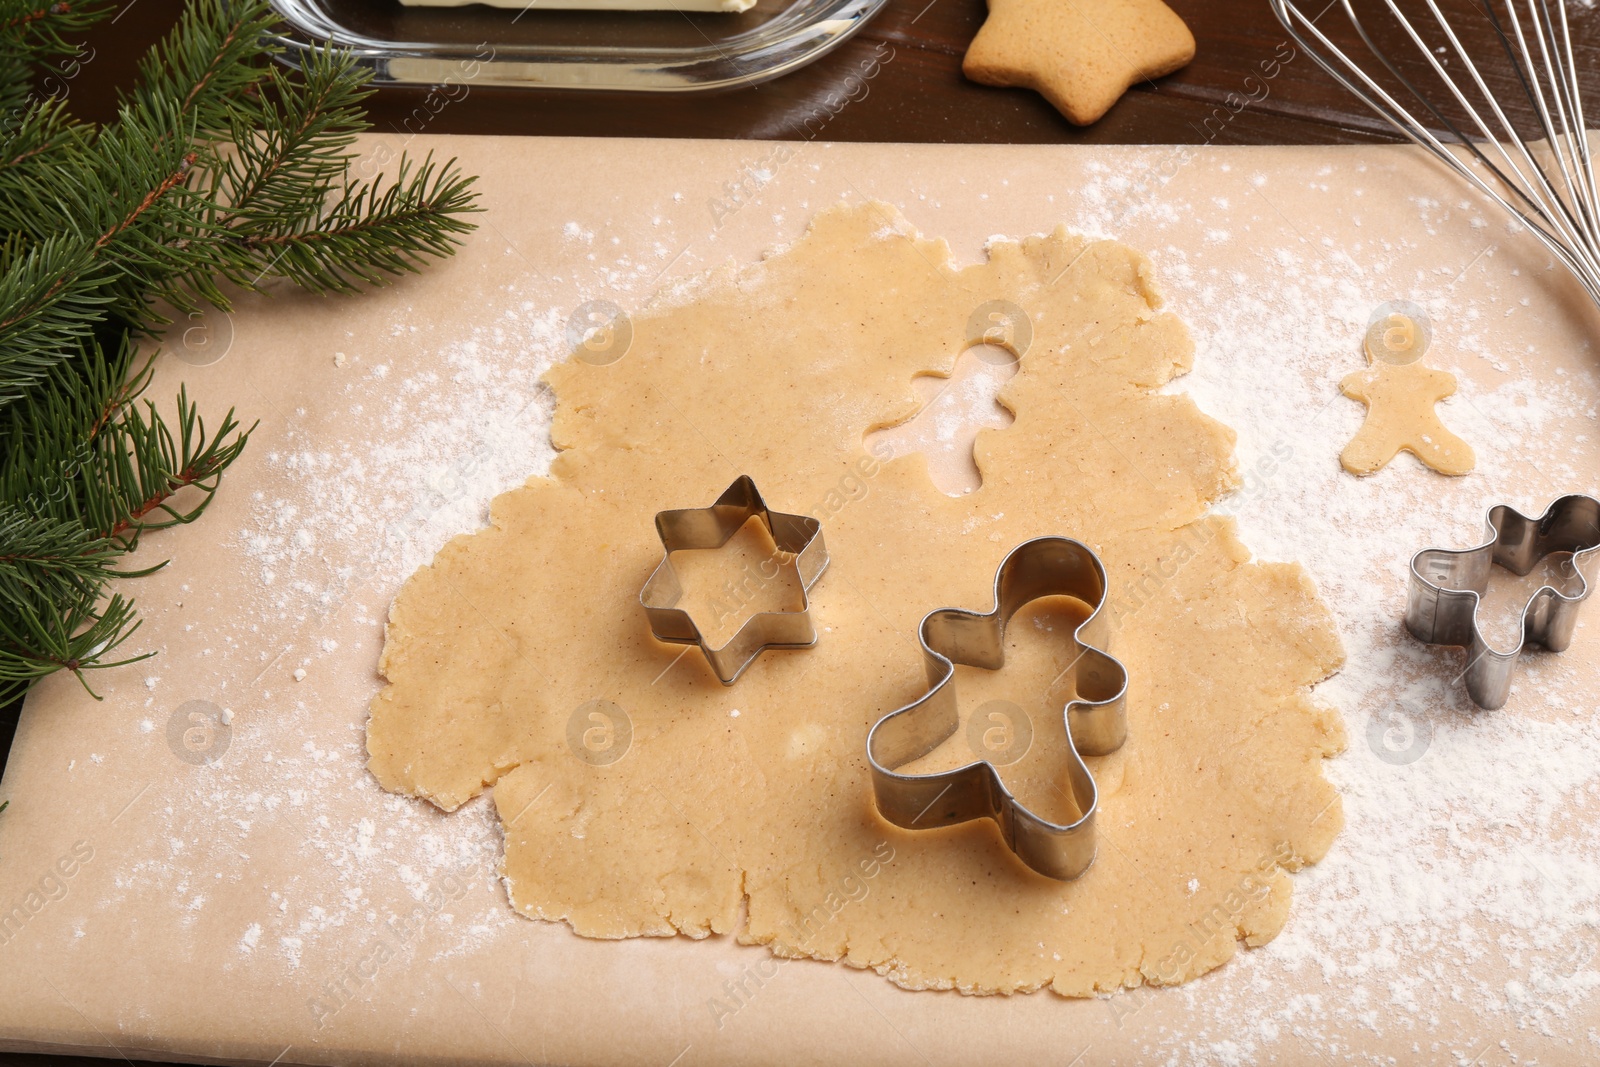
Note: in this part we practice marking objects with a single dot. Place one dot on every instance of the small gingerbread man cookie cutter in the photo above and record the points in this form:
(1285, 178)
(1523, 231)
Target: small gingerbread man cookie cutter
(796, 536)
(1095, 721)
(1447, 586)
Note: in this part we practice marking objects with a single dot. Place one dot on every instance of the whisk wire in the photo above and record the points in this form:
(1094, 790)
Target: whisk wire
(1557, 135)
(1540, 197)
(1549, 187)
(1381, 101)
(1565, 76)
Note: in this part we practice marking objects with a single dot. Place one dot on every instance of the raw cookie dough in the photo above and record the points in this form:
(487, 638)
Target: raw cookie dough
(1400, 393)
(1080, 56)
(641, 797)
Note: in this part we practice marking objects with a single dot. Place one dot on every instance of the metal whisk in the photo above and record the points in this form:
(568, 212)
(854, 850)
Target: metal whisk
(1548, 184)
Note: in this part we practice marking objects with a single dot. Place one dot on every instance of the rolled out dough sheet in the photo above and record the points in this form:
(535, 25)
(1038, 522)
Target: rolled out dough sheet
(754, 801)
(359, 926)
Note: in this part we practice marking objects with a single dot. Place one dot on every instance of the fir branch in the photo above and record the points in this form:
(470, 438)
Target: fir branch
(42, 638)
(34, 29)
(283, 169)
(373, 230)
(152, 225)
(56, 559)
(120, 209)
(147, 469)
(219, 167)
(114, 462)
(174, 179)
(31, 32)
(52, 439)
(208, 61)
(16, 89)
(38, 135)
(43, 311)
(52, 574)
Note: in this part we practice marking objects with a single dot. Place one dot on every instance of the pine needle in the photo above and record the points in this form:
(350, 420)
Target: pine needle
(221, 166)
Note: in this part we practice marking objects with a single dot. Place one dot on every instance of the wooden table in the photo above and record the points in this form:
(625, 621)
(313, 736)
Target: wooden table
(918, 93)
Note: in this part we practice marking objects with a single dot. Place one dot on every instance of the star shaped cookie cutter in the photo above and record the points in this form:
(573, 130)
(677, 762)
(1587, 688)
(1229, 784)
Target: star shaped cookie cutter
(798, 536)
(1447, 585)
(1095, 721)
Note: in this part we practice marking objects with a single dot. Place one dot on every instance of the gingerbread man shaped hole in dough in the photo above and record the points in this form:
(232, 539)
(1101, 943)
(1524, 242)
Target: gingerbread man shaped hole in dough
(957, 406)
(1400, 393)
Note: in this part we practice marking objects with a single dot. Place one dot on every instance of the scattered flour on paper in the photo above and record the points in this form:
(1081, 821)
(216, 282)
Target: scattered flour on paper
(452, 437)
(354, 517)
(1460, 877)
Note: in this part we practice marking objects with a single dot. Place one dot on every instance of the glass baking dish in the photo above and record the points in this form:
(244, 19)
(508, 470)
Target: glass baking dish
(657, 51)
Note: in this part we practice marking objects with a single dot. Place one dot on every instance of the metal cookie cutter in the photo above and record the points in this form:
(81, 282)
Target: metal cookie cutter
(798, 536)
(1096, 720)
(1447, 584)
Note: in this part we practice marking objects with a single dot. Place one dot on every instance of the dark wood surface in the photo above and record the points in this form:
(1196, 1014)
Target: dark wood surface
(917, 94)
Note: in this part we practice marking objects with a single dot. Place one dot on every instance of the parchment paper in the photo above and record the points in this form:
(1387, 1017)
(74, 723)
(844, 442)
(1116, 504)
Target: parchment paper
(275, 904)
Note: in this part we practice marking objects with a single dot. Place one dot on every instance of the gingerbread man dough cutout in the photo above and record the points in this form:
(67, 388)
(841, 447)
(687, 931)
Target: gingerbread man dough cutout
(1400, 394)
(1081, 55)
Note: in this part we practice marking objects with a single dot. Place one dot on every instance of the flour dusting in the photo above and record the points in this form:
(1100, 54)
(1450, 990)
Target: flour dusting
(1464, 871)
(1466, 878)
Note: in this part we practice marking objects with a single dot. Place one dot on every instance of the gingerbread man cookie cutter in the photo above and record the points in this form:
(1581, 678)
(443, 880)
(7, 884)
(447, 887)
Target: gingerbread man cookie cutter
(1095, 721)
(796, 536)
(1447, 585)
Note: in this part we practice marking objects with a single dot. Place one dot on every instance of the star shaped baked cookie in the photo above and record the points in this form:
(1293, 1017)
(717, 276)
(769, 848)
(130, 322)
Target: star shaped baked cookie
(1080, 56)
